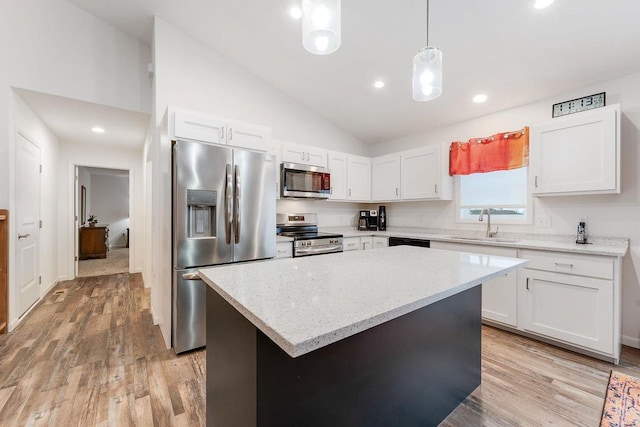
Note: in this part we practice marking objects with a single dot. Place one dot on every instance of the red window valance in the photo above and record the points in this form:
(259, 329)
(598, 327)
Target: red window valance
(502, 151)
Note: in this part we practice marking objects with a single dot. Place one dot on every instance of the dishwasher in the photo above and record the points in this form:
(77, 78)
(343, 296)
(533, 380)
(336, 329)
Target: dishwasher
(407, 241)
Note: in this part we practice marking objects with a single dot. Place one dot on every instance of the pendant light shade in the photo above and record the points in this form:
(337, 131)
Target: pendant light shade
(427, 74)
(321, 26)
(427, 71)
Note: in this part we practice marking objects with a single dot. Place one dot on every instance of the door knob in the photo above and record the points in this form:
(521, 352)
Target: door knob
(23, 236)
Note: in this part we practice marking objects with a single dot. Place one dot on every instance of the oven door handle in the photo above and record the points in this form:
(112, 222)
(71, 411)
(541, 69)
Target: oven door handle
(321, 250)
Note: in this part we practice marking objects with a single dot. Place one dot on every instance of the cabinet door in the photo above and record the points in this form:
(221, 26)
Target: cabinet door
(380, 242)
(366, 243)
(247, 135)
(421, 174)
(385, 178)
(316, 156)
(573, 309)
(338, 168)
(199, 127)
(351, 244)
(284, 250)
(577, 154)
(294, 153)
(358, 178)
(500, 295)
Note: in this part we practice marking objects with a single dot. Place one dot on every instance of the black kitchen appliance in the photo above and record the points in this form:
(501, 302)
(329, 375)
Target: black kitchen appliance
(373, 220)
(363, 221)
(406, 241)
(307, 240)
(382, 218)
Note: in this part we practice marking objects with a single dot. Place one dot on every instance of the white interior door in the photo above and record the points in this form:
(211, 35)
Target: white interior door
(27, 223)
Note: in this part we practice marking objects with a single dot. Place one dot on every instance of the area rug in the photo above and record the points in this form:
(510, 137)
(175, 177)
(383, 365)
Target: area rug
(622, 403)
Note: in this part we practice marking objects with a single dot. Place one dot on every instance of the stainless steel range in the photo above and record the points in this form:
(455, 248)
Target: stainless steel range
(307, 240)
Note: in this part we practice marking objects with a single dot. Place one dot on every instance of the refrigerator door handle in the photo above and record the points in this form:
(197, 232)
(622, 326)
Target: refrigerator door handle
(237, 191)
(228, 194)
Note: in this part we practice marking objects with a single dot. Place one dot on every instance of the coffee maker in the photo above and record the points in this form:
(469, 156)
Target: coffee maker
(373, 220)
(363, 221)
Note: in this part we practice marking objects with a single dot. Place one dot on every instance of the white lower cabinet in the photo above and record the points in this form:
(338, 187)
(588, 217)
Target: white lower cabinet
(351, 244)
(573, 299)
(499, 296)
(380, 242)
(357, 243)
(284, 249)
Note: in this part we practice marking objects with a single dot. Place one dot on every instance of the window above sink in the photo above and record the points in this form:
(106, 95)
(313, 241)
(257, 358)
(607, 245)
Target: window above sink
(506, 193)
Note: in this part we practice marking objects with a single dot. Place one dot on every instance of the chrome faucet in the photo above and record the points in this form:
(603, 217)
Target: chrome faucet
(489, 232)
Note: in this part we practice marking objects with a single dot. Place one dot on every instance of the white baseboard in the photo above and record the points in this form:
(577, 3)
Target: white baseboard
(631, 341)
(156, 319)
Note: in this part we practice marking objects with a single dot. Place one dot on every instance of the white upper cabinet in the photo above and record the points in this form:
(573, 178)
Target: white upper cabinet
(304, 154)
(218, 130)
(425, 174)
(248, 135)
(577, 154)
(358, 178)
(385, 178)
(338, 169)
(199, 127)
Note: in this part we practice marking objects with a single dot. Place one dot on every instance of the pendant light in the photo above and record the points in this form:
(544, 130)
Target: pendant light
(427, 71)
(321, 26)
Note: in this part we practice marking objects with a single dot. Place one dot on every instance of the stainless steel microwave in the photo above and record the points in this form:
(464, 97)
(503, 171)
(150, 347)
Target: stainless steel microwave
(304, 181)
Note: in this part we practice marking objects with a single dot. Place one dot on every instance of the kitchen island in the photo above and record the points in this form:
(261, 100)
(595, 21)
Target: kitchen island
(389, 337)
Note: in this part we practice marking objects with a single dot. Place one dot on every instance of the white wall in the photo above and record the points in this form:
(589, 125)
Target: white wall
(34, 129)
(54, 47)
(72, 155)
(110, 204)
(608, 215)
(84, 179)
(188, 74)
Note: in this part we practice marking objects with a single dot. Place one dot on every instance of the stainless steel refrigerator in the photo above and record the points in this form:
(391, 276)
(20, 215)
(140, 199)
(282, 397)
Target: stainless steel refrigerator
(224, 211)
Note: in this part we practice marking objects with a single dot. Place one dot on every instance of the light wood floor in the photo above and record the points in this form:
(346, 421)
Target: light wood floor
(91, 356)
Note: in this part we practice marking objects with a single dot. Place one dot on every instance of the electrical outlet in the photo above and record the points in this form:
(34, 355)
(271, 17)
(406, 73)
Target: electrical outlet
(543, 221)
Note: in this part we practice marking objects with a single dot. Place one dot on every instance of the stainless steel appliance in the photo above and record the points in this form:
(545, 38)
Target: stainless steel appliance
(373, 220)
(307, 240)
(224, 211)
(363, 221)
(304, 181)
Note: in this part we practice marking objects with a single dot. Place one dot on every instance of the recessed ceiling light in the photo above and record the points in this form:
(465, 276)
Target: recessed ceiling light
(480, 98)
(295, 12)
(541, 4)
(97, 129)
(379, 84)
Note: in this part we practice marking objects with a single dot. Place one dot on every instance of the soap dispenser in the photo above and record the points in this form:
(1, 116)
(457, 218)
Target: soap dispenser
(582, 233)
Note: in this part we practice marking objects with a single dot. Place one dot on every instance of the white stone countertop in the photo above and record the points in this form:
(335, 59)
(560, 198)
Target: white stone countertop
(280, 239)
(306, 303)
(607, 246)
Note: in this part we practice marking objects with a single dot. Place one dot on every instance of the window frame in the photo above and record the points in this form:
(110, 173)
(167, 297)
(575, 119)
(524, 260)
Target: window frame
(527, 219)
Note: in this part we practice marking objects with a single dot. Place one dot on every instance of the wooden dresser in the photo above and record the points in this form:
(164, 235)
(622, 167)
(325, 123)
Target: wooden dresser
(94, 241)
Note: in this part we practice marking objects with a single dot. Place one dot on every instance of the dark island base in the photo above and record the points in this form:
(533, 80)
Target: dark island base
(411, 371)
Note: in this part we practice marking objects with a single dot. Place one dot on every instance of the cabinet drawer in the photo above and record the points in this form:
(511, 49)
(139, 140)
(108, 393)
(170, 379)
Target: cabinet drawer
(351, 244)
(580, 265)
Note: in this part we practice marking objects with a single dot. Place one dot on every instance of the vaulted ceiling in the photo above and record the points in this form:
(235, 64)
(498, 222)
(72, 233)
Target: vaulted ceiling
(513, 53)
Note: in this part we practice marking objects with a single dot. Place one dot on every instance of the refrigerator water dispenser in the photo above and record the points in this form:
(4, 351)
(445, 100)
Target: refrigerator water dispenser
(201, 215)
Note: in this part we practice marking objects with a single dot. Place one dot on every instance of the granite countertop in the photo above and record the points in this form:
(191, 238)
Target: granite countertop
(306, 303)
(607, 246)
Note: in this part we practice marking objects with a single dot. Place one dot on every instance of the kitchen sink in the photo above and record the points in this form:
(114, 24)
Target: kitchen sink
(482, 239)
